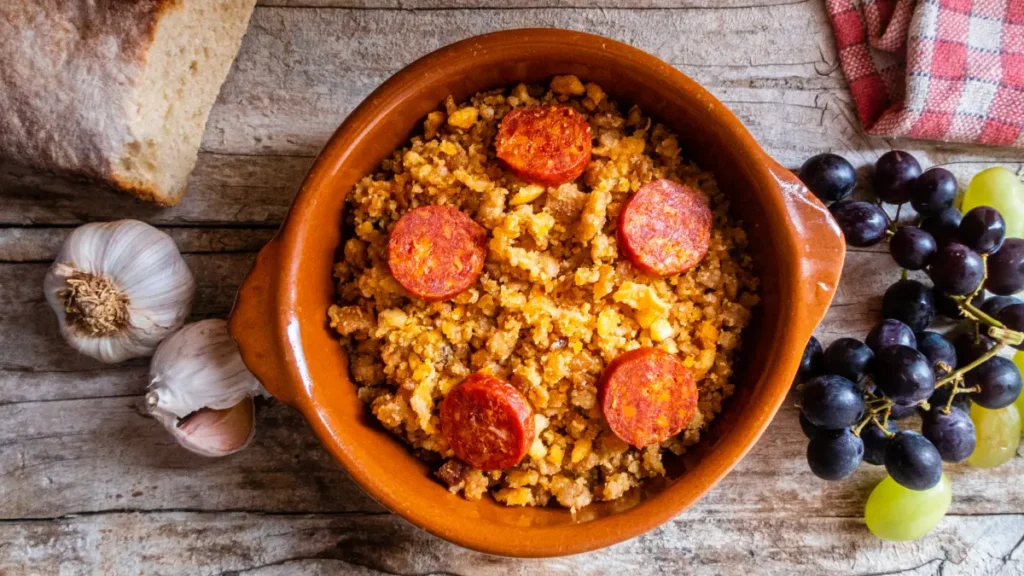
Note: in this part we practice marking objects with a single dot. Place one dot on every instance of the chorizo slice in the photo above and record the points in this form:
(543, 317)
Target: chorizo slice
(665, 228)
(436, 252)
(647, 395)
(547, 145)
(487, 422)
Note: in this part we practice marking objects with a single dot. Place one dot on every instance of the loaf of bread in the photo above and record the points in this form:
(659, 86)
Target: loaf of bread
(115, 91)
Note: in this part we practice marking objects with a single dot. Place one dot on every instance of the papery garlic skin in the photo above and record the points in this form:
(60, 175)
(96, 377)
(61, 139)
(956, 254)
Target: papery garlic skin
(199, 367)
(145, 275)
(213, 433)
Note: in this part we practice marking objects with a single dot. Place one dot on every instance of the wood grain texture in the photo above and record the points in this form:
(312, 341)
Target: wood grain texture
(361, 544)
(90, 484)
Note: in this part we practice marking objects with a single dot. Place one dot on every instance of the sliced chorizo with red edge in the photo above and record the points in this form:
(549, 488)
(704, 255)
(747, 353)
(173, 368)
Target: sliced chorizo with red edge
(647, 395)
(487, 422)
(436, 252)
(665, 228)
(547, 145)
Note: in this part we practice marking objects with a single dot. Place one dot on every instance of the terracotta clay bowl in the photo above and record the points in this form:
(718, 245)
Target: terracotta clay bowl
(279, 319)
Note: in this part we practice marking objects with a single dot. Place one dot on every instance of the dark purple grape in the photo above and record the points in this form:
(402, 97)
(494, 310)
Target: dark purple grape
(970, 347)
(993, 305)
(831, 402)
(899, 412)
(895, 171)
(999, 382)
(982, 230)
(849, 358)
(829, 176)
(943, 226)
(1006, 268)
(890, 333)
(834, 457)
(933, 191)
(946, 306)
(941, 397)
(956, 269)
(863, 224)
(1013, 317)
(875, 441)
(810, 430)
(912, 247)
(910, 302)
(811, 362)
(904, 375)
(913, 461)
(937, 349)
(952, 434)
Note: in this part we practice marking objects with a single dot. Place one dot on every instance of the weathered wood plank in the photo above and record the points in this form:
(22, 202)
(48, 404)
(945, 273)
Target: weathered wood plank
(264, 545)
(107, 454)
(251, 190)
(42, 244)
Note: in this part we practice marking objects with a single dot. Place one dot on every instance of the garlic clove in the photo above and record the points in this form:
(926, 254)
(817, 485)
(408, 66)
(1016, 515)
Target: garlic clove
(199, 367)
(215, 433)
(118, 289)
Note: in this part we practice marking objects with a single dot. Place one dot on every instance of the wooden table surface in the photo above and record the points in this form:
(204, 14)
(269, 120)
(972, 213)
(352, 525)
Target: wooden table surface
(90, 484)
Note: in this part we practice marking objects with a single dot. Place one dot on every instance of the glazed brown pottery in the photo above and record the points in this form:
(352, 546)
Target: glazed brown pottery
(280, 317)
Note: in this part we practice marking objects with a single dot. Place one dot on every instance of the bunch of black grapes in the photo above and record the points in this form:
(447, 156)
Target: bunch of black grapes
(853, 394)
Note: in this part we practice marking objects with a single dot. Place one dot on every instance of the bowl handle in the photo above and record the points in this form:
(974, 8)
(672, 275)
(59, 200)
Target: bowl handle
(822, 246)
(254, 324)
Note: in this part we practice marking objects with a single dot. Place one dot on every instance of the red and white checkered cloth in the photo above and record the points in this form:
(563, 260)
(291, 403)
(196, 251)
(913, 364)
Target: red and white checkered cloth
(935, 69)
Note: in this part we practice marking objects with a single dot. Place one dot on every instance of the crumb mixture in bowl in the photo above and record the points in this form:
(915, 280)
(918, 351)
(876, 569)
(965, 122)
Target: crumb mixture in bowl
(574, 353)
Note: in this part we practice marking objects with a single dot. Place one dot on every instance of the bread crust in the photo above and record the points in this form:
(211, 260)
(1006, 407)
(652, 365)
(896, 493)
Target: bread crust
(70, 70)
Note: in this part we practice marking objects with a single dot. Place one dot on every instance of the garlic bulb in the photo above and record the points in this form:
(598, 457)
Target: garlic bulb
(213, 432)
(199, 367)
(118, 289)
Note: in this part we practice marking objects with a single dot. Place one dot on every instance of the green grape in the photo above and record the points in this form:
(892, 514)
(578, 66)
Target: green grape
(1001, 189)
(897, 513)
(998, 433)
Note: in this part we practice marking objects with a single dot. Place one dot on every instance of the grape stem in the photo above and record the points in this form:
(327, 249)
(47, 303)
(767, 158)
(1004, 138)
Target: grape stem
(875, 405)
(1006, 336)
(971, 309)
(957, 390)
(881, 425)
(997, 329)
(959, 373)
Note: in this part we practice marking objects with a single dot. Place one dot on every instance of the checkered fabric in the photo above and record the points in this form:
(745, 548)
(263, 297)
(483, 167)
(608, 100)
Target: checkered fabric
(935, 69)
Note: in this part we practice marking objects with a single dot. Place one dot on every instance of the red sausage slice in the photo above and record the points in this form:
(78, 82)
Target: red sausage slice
(647, 395)
(436, 252)
(547, 145)
(665, 228)
(487, 422)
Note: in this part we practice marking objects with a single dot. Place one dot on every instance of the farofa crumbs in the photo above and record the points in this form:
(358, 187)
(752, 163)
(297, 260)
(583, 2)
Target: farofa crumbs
(555, 302)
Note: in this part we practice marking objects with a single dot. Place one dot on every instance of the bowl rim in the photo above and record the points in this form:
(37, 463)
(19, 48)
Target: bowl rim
(543, 541)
